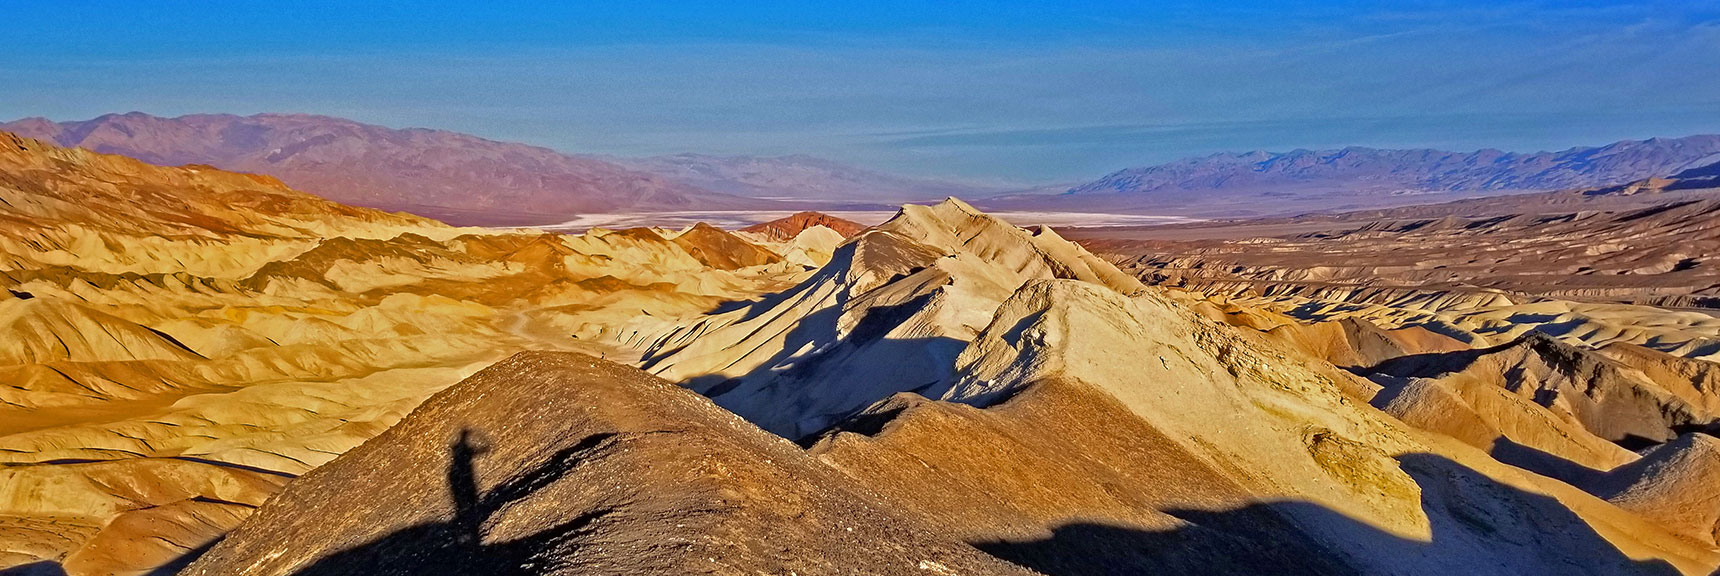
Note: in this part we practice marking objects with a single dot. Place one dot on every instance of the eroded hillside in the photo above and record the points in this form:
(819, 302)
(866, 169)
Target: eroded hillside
(176, 344)
(1050, 410)
(1621, 265)
(1070, 422)
(209, 373)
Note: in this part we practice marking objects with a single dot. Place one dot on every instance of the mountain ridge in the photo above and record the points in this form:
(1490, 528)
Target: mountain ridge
(438, 173)
(1261, 183)
(801, 177)
(468, 179)
(1466, 170)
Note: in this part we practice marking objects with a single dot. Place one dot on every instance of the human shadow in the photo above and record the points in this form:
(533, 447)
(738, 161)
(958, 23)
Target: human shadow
(1479, 526)
(458, 546)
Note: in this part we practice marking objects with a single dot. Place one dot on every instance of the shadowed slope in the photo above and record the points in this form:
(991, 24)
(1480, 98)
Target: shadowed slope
(1248, 540)
(886, 315)
(1596, 394)
(586, 467)
(1085, 407)
(1677, 484)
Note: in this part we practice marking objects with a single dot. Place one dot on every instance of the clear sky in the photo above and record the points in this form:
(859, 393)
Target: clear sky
(1009, 91)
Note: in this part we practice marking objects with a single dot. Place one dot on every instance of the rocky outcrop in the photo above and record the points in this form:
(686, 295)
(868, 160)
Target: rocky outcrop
(722, 250)
(786, 228)
(564, 464)
(1355, 343)
(1605, 398)
(1090, 433)
(886, 315)
(1673, 484)
(1085, 426)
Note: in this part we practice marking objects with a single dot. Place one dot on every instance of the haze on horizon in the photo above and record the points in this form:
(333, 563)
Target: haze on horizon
(1014, 92)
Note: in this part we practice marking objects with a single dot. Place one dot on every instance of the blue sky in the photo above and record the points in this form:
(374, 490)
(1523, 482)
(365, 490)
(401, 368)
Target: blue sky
(1006, 91)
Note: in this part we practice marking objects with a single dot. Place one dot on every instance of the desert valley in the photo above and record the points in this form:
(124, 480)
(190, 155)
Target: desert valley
(213, 373)
(891, 288)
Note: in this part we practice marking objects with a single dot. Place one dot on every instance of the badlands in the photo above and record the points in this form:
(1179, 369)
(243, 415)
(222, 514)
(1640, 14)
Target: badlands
(1630, 264)
(212, 374)
(179, 343)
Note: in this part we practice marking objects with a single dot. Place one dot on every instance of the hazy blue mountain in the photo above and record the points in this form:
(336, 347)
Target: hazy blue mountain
(800, 177)
(1266, 182)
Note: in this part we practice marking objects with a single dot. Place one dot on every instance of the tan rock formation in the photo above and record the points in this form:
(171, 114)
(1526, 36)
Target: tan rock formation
(563, 464)
(1673, 484)
(165, 330)
(888, 314)
(1213, 455)
(786, 228)
(1548, 395)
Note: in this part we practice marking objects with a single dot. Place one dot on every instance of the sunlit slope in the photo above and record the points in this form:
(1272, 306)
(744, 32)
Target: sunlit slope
(570, 465)
(1036, 402)
(887, 315)
(177, 343)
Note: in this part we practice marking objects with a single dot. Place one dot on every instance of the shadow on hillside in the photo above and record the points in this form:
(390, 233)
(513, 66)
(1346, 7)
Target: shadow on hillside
(1479, 526)
(818, 345)
(38, 568)
(840, 264)
(52, 568)
(1545, 463)
(1249, 540)
(457, 546)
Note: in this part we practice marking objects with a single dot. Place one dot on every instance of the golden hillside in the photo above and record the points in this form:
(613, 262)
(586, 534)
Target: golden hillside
(177, 343)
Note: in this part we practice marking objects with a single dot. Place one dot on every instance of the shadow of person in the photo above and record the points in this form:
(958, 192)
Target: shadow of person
(468, 522)
(1478, 525)
(458, 545)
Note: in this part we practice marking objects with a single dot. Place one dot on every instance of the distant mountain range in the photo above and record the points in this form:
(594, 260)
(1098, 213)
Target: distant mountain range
(467, 179)
(431, 172)
(1259, 183)
(470, 180)
(800, 177)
